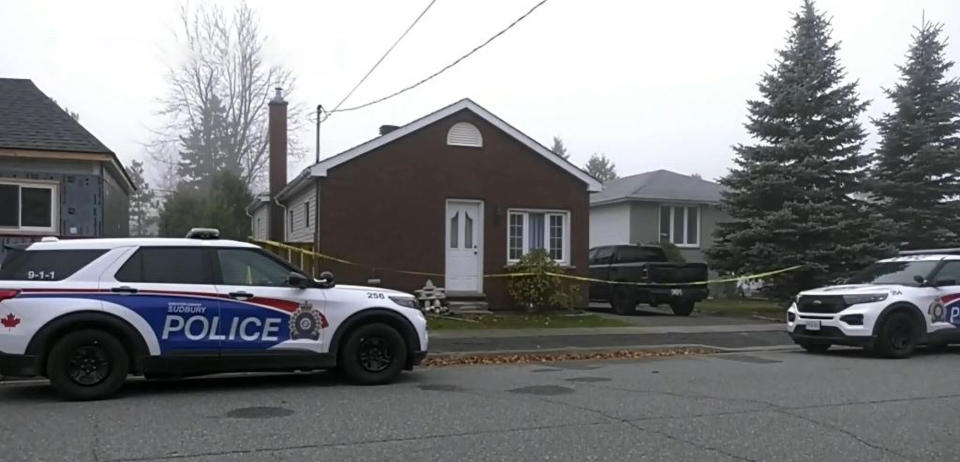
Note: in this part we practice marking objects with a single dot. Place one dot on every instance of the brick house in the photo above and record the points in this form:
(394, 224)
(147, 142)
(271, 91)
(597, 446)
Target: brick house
(56, 179)
(458, 192)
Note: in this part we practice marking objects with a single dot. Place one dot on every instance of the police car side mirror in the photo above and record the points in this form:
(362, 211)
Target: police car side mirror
(920, 280)
(296, 279)
(326, 279)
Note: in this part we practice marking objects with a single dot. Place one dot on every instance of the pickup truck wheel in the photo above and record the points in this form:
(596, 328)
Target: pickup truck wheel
(682, 308)
(623, 303)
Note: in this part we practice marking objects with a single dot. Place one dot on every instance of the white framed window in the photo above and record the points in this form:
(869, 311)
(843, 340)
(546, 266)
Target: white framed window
(464, 134)
(680, 225)
(538, 229)
(29, 206)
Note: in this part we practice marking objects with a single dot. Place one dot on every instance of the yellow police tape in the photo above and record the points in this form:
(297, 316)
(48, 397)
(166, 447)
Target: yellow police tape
(311, 253)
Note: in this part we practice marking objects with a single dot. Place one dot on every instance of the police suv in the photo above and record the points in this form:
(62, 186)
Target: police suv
(891, 307)
(86, 313)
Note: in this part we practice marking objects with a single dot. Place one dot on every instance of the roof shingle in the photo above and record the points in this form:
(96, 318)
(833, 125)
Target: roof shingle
(659, 185)
(29, 119)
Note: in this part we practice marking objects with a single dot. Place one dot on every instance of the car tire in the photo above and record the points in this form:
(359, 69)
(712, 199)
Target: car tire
(898, 336)
(373, 354)
(623, 303)
(682, 308)
(815, 347)
(87, 364)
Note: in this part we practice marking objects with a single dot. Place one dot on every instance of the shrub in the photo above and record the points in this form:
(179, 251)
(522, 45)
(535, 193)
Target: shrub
(537, 290)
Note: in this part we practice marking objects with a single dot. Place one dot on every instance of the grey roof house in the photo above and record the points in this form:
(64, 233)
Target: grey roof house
(56, 179)
(657, 206)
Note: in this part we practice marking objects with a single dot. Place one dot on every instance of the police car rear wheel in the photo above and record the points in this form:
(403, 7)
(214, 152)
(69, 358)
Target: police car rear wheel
(898, 336)
(87, 364)
(373, 354)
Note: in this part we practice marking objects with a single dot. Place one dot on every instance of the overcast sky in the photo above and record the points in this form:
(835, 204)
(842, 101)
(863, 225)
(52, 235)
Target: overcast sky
(651, 84)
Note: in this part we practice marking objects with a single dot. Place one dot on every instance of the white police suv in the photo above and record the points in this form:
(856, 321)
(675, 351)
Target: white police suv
(86, 313)
(892, 307)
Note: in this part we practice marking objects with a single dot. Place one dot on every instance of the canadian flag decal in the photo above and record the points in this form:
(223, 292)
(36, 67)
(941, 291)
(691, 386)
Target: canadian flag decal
(10, 321)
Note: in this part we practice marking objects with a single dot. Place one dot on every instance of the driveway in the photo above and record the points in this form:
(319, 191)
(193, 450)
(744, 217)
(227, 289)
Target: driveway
(785, 405)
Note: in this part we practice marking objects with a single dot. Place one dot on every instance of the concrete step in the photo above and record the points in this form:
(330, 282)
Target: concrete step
(468, 307)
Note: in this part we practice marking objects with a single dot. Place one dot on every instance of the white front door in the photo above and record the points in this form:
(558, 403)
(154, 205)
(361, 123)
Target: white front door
(464, 244)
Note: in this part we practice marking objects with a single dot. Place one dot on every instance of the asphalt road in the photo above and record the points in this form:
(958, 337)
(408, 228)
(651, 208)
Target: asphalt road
(785, 405)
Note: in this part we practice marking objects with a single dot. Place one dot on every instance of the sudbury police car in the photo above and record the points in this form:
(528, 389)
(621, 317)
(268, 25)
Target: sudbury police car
(892, 307)
(86, 313)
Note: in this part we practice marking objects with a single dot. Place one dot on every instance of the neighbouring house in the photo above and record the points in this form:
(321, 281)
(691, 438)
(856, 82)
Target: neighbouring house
(56, 179)
(458, 192)
(657, 206)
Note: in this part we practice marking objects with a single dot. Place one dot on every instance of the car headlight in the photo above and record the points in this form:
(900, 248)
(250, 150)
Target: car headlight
(863, 298)
(407, 302)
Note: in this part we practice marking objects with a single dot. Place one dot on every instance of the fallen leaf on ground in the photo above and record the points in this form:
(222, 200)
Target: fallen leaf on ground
(525, 358)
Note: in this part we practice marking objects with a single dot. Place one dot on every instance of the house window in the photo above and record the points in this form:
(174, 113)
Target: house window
(28, 206)
(538, 229)
(306, 214)
(291, 220)
(680, 225)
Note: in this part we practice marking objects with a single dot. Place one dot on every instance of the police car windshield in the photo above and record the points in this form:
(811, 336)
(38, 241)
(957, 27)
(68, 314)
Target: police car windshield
(895, 272)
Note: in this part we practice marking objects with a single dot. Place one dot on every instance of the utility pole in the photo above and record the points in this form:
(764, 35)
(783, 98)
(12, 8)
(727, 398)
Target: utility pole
(316, 202)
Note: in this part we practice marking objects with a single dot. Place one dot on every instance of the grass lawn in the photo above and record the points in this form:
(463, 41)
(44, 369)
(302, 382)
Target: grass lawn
(522, 321)
(744, 308)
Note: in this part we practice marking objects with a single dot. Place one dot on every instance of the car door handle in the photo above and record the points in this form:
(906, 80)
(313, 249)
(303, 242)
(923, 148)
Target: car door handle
(124, 290)
(240, 295)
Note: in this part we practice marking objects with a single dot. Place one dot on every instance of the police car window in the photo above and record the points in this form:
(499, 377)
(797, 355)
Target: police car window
(242, 267)
(949, 271)
(165, 265)
(633, 254)
(47, 265)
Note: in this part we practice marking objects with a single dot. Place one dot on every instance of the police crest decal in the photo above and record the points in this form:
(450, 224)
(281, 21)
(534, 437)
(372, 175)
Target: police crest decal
(305, 323)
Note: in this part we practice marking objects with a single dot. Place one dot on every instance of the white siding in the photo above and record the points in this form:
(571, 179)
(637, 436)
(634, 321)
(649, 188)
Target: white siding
(610, 224)
(260, 223)
(301, 229)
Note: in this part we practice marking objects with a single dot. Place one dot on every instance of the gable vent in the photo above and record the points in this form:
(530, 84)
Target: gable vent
(464, 134)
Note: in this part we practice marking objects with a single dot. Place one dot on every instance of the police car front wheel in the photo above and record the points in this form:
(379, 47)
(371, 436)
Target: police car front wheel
(87, 364)
(373, 354)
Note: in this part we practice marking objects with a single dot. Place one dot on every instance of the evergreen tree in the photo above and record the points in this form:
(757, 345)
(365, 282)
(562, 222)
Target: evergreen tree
(916, 175)
(558, 148)
(143, 203)
(601, 167)
(222, 207)
(791, 194)
(204, 149)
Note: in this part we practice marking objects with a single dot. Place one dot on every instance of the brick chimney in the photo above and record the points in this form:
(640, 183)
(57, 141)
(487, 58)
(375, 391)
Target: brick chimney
(278, 161)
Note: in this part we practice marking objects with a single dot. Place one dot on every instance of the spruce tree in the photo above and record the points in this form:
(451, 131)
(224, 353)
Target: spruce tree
(914, 180)
(792, 193)
(143, 203)
(204, 149)
(601, 167)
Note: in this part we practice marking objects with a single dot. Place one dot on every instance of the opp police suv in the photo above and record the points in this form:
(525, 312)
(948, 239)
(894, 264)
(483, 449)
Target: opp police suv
(86, 313)
(891, 307)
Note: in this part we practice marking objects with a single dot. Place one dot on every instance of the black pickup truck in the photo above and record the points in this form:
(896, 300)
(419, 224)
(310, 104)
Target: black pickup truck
(644, 264)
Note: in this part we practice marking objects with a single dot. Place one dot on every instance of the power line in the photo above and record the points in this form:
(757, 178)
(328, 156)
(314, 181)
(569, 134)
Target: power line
(404, 34)
(445, 68)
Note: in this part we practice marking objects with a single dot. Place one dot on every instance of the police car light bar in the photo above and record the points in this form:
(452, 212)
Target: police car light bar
(204, 233)
(953, 251)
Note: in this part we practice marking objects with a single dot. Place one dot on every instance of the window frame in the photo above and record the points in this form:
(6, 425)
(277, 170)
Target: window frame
(524, 237)
(686, 224)
(54, 188)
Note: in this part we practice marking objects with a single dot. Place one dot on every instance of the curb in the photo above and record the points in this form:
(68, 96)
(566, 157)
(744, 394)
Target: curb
(651, 348)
